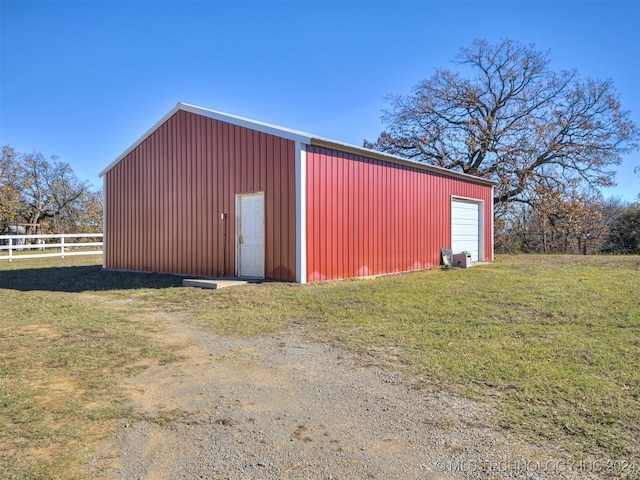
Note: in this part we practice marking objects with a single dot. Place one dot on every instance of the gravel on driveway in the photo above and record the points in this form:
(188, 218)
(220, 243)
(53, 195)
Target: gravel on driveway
(280, 407)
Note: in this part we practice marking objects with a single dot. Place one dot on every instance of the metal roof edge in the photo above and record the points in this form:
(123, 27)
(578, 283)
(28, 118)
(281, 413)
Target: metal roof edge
(367, 152)
(276, 130)
(296, 136)
(141, 139)
(288, 133)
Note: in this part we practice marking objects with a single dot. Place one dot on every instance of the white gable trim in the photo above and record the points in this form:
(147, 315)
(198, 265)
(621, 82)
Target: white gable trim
(223, 117)
(294, 135)
(141, 139)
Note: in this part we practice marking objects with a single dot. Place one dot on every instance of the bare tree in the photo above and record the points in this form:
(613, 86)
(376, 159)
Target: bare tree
(508, 117)
(51, 190)
(83, 216)
(11, 176)
(554, 221)
(39, 191)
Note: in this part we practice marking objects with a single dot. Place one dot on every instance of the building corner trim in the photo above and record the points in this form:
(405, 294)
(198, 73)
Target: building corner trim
(104, 221)
(493, 233)
(301, 212)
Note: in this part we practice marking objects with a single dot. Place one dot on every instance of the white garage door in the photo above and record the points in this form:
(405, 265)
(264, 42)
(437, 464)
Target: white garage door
(466, 227)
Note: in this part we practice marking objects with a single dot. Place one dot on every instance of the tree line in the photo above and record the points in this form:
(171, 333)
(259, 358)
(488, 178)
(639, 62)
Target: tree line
(550, 140)
(579, 224)
(39, 194)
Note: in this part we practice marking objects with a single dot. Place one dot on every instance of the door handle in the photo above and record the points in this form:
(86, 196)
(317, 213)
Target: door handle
(241, 239)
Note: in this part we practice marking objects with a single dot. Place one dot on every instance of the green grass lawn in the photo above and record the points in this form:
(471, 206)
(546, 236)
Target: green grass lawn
(552, 341)
(63, 351)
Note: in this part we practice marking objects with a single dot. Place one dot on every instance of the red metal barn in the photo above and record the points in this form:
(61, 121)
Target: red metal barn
(209, 194)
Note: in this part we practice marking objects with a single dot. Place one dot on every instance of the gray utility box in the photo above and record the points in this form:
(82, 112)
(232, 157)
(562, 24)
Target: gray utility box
(462, 260)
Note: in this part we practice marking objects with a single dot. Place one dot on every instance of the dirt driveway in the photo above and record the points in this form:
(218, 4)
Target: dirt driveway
(283, 408)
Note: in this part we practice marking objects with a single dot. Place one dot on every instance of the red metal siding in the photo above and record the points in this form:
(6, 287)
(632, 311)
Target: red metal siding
(164, 199)
(367, 216)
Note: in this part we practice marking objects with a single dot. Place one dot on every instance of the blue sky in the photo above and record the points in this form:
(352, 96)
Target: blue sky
(84, 80)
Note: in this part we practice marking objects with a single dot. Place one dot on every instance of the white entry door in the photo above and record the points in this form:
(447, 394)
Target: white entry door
(250, 235)
(466, 227)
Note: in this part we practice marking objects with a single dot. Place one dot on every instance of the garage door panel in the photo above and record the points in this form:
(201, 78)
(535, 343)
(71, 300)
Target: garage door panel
(465, 227)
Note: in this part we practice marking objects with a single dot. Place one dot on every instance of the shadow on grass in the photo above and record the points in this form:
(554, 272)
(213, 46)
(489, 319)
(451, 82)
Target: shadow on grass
(82, 278)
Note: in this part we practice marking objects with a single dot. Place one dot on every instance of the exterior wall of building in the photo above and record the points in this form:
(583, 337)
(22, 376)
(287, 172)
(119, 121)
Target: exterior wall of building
(164, 199)
(368, 216)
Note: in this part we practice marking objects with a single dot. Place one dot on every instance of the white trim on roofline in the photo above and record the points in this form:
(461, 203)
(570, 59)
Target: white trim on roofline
(141, 139)
(223, 117)
(397, 159)
(296, 136)
(288, 133)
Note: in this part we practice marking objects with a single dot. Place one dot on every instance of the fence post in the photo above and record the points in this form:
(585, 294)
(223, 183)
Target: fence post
(61, 247)
(10, 249)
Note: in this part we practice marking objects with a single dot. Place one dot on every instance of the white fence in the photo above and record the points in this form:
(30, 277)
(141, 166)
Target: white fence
(13, 247)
